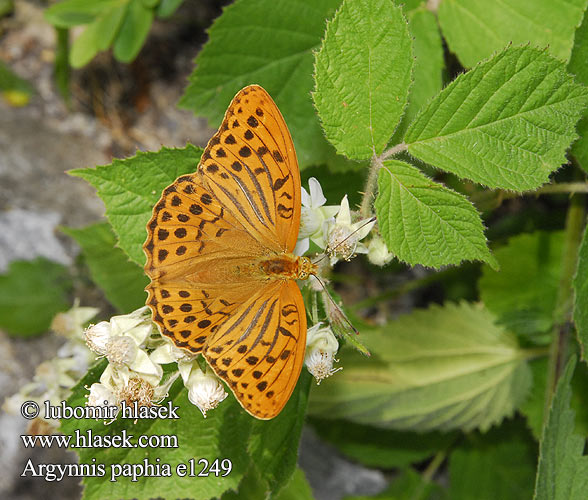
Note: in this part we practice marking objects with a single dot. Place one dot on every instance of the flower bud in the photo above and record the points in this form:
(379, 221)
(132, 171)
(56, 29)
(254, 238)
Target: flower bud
(97, 337)
(205, 390)
(321, 347)
(378, 253)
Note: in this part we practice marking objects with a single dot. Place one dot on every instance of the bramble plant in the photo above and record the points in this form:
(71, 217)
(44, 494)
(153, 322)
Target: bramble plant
(486, 382)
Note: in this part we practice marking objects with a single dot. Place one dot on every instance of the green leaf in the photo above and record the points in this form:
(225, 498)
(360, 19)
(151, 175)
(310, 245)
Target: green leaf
(428, 65)
(221, 435)
(363, 73)
(167, 8)
(498, 465)
(505, 124)
(408, 485)
(563, 469)
(475, 30)
(577, 66)
(534, 406)
(97, 36)
(580, 285)
(423, 222)
(131, 187)
(274, 443)
(442, 368)
(381, 448)
(70, 13)
(133, 31)
(252, 487)
(297, 489)
(269, 42)
(31, 293)
(530, 268)
(121, 280)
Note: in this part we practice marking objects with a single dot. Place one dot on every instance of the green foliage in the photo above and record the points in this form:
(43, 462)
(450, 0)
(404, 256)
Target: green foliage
(428, 65)
(475, 30)
(530, 268)
(122, 24)
(563, 468)
(442, 368)
(577, 66)
(581, 296)
(121, 281)
(409, 485)
(499, 464)
(31, 293)
(131, 187)
(376, 447)
(534, 406)
(483, 128)
(268, 42)
(297, 489)
(273, 444)
(423, 222)
(374, 60)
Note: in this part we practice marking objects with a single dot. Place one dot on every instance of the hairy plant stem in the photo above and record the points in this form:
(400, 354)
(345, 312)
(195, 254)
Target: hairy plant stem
(365, 210)
(562, 187)
(562, 315)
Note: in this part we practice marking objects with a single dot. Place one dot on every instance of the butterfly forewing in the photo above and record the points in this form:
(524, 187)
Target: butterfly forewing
(250, 165)
(260, 349)
(206, 240)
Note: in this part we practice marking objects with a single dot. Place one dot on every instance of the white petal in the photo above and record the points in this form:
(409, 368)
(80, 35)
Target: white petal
(305, 198)
(363, 228)
(148, 370)
(344, 215)
(302, 246)
(163, 355)
(185, 368)
(316, 193)
(100, 395)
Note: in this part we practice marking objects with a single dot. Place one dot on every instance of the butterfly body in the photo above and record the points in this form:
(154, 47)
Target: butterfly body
(219, 255)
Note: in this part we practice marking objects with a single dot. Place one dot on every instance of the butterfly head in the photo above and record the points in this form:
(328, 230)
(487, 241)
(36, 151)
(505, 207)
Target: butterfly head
(305, 268)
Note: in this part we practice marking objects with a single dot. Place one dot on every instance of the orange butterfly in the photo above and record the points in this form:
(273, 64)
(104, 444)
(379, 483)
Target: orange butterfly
(219, 255)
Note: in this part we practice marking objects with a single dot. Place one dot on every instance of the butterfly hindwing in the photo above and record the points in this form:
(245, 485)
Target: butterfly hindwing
(250, 165)
(259, 350)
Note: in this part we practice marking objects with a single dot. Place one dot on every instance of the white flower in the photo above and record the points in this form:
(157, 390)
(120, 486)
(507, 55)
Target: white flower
(100, 395)
(167, 352)
(121, 340)
(343, 240)
(378, 253)
(97, 337)
(314, 217)
(205, 390)
(70, 323)
(321, 347)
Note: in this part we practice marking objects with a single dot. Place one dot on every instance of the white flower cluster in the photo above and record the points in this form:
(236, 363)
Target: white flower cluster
(54, 378)
(135, 351)
(331, 229)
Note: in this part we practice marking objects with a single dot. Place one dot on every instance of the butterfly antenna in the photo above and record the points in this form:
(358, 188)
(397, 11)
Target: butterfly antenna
(340, 313)
(329, 250)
